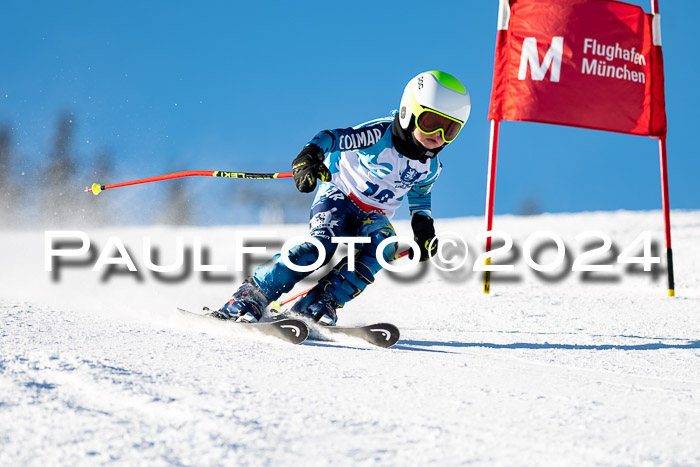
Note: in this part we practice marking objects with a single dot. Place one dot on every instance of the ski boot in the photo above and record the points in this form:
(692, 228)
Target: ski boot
(246, 305)
(319, 306)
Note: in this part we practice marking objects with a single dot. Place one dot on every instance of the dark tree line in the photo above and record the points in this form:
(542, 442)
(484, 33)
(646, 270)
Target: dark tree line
(49, 191)
(10, 192)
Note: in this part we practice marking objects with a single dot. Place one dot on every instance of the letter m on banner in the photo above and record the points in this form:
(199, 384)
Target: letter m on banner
(530, 56)
(584, 63)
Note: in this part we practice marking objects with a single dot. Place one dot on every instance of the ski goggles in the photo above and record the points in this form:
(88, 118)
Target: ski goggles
(431, 121)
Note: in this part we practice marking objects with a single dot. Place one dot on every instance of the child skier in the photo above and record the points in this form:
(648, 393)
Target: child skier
(367, 171)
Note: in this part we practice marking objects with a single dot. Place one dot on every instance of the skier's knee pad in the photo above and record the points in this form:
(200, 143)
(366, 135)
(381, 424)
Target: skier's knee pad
(275, 278)
(377, 237)
(307, 253)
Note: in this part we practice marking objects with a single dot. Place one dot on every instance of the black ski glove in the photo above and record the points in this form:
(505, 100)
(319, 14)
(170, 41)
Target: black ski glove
(307, 167)
(423, 234)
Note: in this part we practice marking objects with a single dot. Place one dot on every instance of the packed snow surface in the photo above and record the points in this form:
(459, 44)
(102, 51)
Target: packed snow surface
(561, 368)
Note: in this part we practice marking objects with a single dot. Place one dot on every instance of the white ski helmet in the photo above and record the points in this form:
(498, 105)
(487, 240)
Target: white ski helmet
(442, 98)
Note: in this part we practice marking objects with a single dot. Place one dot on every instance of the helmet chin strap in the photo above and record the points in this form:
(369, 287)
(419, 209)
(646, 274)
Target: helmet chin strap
(429, 153)
(408, 145)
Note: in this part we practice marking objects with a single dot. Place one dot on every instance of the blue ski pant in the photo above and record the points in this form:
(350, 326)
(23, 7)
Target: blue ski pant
(333, 214)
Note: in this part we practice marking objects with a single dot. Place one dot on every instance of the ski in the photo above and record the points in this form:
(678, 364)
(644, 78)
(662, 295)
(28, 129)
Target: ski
(290, 330)
(380, 334)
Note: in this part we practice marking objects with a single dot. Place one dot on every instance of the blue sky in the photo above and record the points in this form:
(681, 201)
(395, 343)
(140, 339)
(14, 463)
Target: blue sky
(244, 85)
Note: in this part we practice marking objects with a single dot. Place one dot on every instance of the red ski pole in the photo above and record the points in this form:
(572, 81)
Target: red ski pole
(97, 188)
(276, 306)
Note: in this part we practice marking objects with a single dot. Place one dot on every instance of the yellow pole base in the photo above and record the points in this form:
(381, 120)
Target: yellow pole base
(487, 277)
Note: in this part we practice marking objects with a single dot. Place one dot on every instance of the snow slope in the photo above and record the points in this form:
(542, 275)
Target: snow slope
(559, 372)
